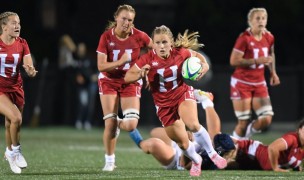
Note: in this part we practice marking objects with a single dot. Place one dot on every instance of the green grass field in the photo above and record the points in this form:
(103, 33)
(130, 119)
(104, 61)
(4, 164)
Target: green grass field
(66, 153)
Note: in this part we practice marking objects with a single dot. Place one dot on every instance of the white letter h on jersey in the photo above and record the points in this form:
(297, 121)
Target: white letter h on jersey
(3, 65)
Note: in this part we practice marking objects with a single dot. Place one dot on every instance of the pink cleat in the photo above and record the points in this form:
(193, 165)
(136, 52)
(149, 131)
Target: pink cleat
(196, 168)
(220, 162)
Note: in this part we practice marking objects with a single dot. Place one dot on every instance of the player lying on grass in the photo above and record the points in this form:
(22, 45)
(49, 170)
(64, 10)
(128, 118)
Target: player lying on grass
(167, 152)
(283, 154)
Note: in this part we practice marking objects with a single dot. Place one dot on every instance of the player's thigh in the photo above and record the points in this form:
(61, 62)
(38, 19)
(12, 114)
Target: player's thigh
(130, 103)
(8, 109)
(258, 102)
(241, 104)
(187, 111)
(109, 103)
(177, 132)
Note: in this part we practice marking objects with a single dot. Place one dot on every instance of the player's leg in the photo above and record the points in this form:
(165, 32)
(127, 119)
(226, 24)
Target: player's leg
(110, 108)
(130, 109)
(263, 110)
(160, 133)
(212, 119)
(130, 104)
(162, 152)
(242, 110)
(16, 149)
(177, 133)
(188, 113)
(241, 96)
(13, 120)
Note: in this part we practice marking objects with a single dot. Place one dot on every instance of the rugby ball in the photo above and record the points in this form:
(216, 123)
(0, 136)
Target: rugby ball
(191, 68)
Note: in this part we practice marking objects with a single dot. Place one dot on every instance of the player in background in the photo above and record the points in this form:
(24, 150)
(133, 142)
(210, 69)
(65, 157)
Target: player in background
(14, 55)
(282, 155)
(174, 100)
(119, 46)
(253, 50)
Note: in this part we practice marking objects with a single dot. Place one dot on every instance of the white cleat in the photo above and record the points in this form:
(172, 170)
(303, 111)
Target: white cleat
(12, 162)
(249, 131)
(110, 166)
(20, 161)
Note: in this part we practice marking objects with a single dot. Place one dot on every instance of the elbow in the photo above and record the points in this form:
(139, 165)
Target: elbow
(232, 63)
(100, 69)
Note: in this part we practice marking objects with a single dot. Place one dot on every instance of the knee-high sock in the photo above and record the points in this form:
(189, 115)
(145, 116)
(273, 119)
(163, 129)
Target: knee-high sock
(202, 138)
(191, 153)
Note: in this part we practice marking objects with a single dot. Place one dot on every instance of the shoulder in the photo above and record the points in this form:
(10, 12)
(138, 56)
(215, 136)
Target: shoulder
(290, 136)
(107, 33)
(291, 139)
(181, 51)
(268, 35)
(21, 40)
(245, 35)
(139, 33)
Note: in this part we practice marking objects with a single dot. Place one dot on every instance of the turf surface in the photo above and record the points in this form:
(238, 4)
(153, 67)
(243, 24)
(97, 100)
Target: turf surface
(66, 153)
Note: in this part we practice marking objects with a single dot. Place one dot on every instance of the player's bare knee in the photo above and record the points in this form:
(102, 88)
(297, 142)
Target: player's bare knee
(183, 145)
(16, 120)
(194, 127)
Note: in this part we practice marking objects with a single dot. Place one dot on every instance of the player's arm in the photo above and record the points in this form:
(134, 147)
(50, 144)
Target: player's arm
(204, 62)
(274, 153)
(29, 66)
(237, 59)
(274, 78)
(135, 73)
(105, 66)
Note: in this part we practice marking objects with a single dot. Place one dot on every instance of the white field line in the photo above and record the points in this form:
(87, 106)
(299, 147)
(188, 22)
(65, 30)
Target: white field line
(100, 148)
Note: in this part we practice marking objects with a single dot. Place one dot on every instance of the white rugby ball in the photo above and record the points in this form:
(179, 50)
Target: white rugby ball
(191, 68)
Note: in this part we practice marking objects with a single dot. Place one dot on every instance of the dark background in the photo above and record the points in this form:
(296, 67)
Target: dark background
(218, 22)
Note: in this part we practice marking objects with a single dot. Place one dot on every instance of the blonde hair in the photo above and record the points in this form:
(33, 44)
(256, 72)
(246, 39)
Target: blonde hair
(4, 18)
(119, 9)
(253, 11)
(186, 40)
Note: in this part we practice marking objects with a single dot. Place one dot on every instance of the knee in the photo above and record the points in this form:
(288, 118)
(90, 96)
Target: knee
(129, 125)
(130, 119)
(16, 119)
(194, 127)
(183, 145)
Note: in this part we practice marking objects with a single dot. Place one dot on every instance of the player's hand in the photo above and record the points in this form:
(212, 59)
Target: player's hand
(203, 71)
(280, 170)
(274, 79)
(264, 60)
(125, 58)
(145, 70)
(30, 70)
